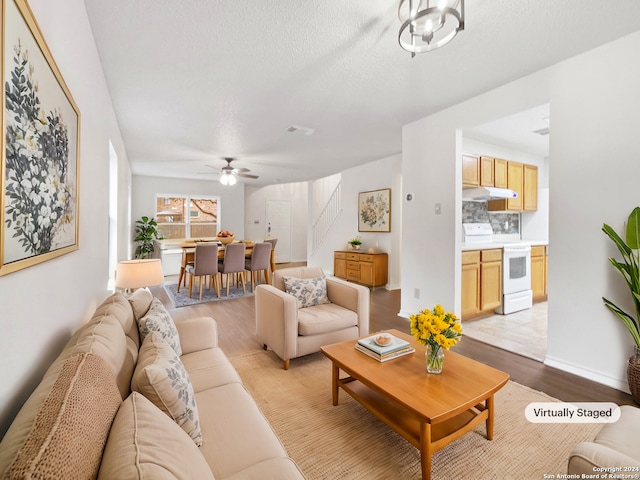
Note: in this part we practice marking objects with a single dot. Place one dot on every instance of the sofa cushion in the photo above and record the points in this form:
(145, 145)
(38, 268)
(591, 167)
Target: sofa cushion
(209, 369)
(161, 377)
(145, 443)
(71, 428)
(309, 292)
(140, 301)
(158, 320)
(325, 318)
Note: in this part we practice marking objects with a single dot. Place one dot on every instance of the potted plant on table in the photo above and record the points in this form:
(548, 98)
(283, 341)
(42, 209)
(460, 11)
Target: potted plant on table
(146, 232)
(438, 331)
(629, 268)
(355, 243)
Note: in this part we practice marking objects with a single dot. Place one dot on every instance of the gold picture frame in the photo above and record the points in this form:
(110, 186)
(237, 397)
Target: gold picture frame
(40, 148)
(374, 211)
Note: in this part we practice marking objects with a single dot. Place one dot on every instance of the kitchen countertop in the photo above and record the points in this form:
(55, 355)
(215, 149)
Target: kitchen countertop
(498, 244)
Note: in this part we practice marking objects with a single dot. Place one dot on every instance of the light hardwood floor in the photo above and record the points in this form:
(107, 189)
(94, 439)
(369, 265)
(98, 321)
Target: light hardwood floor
(236, 325)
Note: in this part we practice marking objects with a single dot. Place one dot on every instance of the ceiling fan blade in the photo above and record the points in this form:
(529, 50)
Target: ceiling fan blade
(246, 175)
(239, 170)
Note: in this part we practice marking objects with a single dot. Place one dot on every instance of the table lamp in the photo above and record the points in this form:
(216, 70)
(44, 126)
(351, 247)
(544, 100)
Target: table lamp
(132, 274)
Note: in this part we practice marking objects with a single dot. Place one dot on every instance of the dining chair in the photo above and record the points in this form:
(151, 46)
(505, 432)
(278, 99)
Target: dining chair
(205, 262)
(272, 241)
(187, 259)
(233, 263)
(260, 260)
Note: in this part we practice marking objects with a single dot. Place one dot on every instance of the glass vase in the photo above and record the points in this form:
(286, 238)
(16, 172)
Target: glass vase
(434, 357)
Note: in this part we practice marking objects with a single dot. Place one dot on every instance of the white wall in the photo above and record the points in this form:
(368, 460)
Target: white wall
(255, 214)
(594, 100)
(383, 173)
(43, 304)
(144, 190)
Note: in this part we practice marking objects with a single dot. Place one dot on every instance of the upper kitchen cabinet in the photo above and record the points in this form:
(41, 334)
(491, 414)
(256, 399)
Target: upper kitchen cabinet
(499, 173)
(522, 179)
(530, 188)
(478, 171)
(470, 171)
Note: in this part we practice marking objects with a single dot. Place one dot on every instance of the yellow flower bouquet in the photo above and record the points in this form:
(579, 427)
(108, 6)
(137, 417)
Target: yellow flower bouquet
(437, 330)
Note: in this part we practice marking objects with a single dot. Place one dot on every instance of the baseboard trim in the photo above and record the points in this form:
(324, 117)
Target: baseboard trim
(609, 381)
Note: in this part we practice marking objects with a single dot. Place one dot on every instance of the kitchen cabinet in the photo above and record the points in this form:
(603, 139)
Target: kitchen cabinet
(539, 273)
(481, 282)
(523, 179)
(530, 194)
(499, 173)
(486, 172)
(470, 171)
(470, 283)
(490, 279)
(369, 269)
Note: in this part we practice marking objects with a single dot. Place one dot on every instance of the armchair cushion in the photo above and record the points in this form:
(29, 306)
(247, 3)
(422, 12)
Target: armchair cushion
(309, 292)
(324, 319)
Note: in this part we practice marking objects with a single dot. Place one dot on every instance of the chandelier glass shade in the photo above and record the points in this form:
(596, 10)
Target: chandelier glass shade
(228, 179)
(429, 24)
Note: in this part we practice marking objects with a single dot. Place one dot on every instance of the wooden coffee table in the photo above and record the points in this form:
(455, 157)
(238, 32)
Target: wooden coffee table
(430, 411)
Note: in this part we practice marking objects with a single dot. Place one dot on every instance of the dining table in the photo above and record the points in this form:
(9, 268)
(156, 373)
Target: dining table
(189, 253)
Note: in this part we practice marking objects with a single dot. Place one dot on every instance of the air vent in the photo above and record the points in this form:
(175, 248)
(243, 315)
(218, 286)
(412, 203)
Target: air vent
(301, 130)
(542, 131)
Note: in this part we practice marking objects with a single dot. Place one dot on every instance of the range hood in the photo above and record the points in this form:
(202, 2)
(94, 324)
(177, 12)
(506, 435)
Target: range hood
(487, 193)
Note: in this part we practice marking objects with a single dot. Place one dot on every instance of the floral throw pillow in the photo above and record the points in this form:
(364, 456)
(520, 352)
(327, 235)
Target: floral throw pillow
(158, 320)
(308, 291)
(161, 377)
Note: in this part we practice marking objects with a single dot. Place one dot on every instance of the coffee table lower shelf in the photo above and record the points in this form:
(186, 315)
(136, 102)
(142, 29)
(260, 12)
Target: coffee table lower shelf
(422, 434)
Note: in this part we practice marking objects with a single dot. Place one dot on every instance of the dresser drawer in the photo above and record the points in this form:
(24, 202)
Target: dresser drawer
(353, 275)
(353, 256)
(366, 258)
(353, 266)
(340, 255)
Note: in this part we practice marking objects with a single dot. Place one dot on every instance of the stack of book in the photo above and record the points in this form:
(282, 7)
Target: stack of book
(397, 347)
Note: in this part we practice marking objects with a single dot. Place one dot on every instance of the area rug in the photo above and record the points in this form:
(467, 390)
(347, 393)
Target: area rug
(208, 295)
(348, 442)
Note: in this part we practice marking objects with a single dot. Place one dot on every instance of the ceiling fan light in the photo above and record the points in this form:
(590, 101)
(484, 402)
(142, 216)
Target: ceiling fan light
(227, 179)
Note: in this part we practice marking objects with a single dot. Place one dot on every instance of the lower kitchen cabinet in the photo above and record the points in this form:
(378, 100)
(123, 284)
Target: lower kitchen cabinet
(539, 273)
(370, 269)
(481, 282)
(470, 283)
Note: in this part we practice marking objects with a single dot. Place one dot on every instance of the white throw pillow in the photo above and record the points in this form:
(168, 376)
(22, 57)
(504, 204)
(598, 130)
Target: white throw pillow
(158, 320)
(140, 301)
(161, 377)
(308, 291)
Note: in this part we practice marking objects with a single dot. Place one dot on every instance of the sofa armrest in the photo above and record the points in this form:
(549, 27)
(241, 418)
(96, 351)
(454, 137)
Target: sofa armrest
(277, 320)
(200, 333)
(587, 456)
(353, 297)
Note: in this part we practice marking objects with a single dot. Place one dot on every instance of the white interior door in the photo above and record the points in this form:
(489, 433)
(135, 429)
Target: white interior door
(279, 226)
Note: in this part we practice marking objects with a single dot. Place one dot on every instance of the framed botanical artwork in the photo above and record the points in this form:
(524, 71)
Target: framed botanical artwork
(374, 211)
(40, 141)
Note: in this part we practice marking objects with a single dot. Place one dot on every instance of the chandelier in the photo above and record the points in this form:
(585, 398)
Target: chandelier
(429, 24)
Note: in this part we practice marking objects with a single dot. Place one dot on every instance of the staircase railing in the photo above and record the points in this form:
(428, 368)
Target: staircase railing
(328, 216)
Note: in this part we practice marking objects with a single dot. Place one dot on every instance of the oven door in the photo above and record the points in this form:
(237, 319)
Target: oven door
(516, 268)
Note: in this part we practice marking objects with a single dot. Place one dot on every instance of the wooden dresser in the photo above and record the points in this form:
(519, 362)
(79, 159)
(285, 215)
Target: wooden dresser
(366, 268)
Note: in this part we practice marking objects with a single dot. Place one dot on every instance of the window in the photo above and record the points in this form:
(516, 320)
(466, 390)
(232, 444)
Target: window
(187, 217)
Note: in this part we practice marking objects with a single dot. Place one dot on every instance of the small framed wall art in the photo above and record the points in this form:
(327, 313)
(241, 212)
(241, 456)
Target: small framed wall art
(40, 138)
(374, 211)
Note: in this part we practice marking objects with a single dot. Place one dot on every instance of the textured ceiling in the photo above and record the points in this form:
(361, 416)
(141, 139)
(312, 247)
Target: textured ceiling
(195, 80)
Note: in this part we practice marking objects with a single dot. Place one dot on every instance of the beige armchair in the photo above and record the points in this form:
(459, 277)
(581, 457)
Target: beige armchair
(614, 446)
(292, 332)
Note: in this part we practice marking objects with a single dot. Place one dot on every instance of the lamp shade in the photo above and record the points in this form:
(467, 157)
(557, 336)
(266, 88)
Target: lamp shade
(139, 273)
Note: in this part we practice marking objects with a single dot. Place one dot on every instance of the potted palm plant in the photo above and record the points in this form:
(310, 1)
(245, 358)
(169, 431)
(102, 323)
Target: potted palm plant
(146, 232)
(629, 268)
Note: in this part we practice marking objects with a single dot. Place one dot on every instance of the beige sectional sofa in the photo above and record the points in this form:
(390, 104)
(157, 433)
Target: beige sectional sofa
(83, 420)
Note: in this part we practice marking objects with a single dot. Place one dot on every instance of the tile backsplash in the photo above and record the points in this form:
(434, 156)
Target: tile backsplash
(501, 222)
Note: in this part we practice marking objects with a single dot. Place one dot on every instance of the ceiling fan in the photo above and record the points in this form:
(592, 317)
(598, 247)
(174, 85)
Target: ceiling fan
(228, 173)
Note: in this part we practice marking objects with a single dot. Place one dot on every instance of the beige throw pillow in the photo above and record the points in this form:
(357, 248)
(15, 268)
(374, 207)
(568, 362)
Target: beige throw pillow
(145, 443)
(71, 428)
(161, 377)
(308, 291)
(158, 320)
(140, 301)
